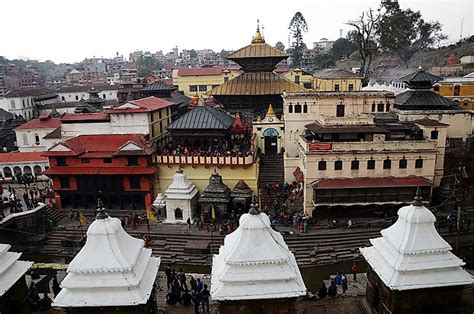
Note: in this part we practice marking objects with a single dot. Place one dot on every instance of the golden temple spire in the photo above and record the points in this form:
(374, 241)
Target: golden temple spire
(258, 38)
(420, 67)
(270, 112)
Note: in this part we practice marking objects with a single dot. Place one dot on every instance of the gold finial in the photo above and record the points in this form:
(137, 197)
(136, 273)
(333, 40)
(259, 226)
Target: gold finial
(270, 112)
(420, 67)
(258, 38)
(259, 119)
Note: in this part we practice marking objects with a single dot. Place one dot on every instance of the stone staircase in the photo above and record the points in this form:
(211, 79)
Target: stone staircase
(271, 170)
(55, 214)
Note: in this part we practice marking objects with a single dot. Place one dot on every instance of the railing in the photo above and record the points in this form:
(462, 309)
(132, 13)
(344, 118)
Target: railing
(350, 120)
(372, 146)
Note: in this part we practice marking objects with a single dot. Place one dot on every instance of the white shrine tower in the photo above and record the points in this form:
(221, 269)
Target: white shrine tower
(181, 199)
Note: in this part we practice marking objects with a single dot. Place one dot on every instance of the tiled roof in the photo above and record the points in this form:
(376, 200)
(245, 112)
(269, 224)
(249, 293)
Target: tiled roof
(145, 105)
(53, 134)
(5, 115)
(203, 118)
(86, 88)
(423, 99)
(100, 170)
(335, 74)
(50, 123)
(430, 122)
(14, 157)
(200, 71)
(85, 117)
(351, 128)
(257, 50)
(101, 143)
(421, 76)
(370, 182)
(25, 92)
(256, 83)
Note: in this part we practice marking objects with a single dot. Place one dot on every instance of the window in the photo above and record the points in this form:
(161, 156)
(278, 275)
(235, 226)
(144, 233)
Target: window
(132, 161)
(308, 85)
(297, 108)
(419, 163)
(64, 182)
(25, 139)
(387, 164)
(107, 160)
(305, 108)
(457, 89)
(297, 79)
(336, 87)
(370, 164)
(62, 98)
(355, 164)
(37, 139)
(290, 108)
(380, 107)
(338, 165)
(373, 107)
(12, 103)
(77, 97)
(134, 182)
(340, 110)
(23, 103)
(193, 88)
(434, 134)
(85, 160)
(61, 161)
(436, 88)
(203, 88)
(226, 79)
(402, 164)
(387, 107)
(351, 87)
(104, 96)
(321, 165)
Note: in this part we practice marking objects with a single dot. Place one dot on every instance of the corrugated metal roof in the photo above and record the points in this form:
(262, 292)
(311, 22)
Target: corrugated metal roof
(257, 50)
(256, 83)
(203, 118)
(157, 86)
(422, 99)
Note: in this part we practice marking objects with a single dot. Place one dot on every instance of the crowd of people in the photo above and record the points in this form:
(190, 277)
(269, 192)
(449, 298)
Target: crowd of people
(31, 198)
(188, 293)
(238, 147)
(37, 302)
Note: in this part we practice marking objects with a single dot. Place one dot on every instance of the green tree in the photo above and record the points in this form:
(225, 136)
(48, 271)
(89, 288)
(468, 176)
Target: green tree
(224, 53)
(343, 48)
(279, 45)
(364, 37)
(404, 33)
(297, 27)
(324, 61)
(193, 54)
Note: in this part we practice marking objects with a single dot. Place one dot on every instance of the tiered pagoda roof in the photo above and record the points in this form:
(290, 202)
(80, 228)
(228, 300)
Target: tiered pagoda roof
(412, 255)
(241, 192)
(112, 269)
(181, 187)
(255, 263)
(11, 269)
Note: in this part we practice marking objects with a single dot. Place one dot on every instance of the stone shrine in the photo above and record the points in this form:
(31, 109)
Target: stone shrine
(241, 195)
(411, 268)
(216, 195)
(181, 199)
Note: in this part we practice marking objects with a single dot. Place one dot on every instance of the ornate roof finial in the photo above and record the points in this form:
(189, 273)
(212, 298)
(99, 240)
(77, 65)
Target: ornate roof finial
(254, 207)
(418, 202)
(270, 112)
(258, 38)
(101, 214)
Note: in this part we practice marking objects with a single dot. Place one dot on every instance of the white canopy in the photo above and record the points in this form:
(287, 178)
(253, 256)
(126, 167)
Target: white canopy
(112, 269)
(11, 269)
(255, 263)
(412, 255)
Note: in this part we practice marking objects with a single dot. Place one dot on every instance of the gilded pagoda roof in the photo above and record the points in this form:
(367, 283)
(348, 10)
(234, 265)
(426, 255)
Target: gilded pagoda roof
(258, 50)
(256, 83)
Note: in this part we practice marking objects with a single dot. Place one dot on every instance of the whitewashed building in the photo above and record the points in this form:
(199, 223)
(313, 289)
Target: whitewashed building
(181, 199)
(255, 269)
(12, 279)
(112, 270)
(411, 256)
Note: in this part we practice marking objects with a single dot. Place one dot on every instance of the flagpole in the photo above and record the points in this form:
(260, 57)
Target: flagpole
(80, 225)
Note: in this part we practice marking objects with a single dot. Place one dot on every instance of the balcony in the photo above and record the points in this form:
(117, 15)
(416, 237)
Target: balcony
(362, 119)
(372, 146)
(207, 161)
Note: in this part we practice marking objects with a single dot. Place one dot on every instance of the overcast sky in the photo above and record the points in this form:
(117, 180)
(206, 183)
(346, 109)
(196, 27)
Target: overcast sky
(70, 30)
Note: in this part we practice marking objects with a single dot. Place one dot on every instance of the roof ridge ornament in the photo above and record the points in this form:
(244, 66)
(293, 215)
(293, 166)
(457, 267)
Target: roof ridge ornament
(254, 210)
(258, 38)
(418, 202)
(101, 213)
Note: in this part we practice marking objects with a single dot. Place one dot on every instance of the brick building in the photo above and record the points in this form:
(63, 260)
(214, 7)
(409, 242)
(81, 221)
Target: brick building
(119, 168)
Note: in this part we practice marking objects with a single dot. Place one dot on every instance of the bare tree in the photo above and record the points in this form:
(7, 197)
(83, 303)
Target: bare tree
(364, 36)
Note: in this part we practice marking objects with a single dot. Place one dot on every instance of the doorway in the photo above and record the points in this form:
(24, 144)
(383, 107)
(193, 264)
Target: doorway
(271, 141)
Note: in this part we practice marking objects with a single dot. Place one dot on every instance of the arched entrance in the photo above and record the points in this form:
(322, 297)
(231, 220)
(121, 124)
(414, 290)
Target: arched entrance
(270, 138)
(7, 172)
(37, 170)
(27, 171)
(178, 214)
(17, 171)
